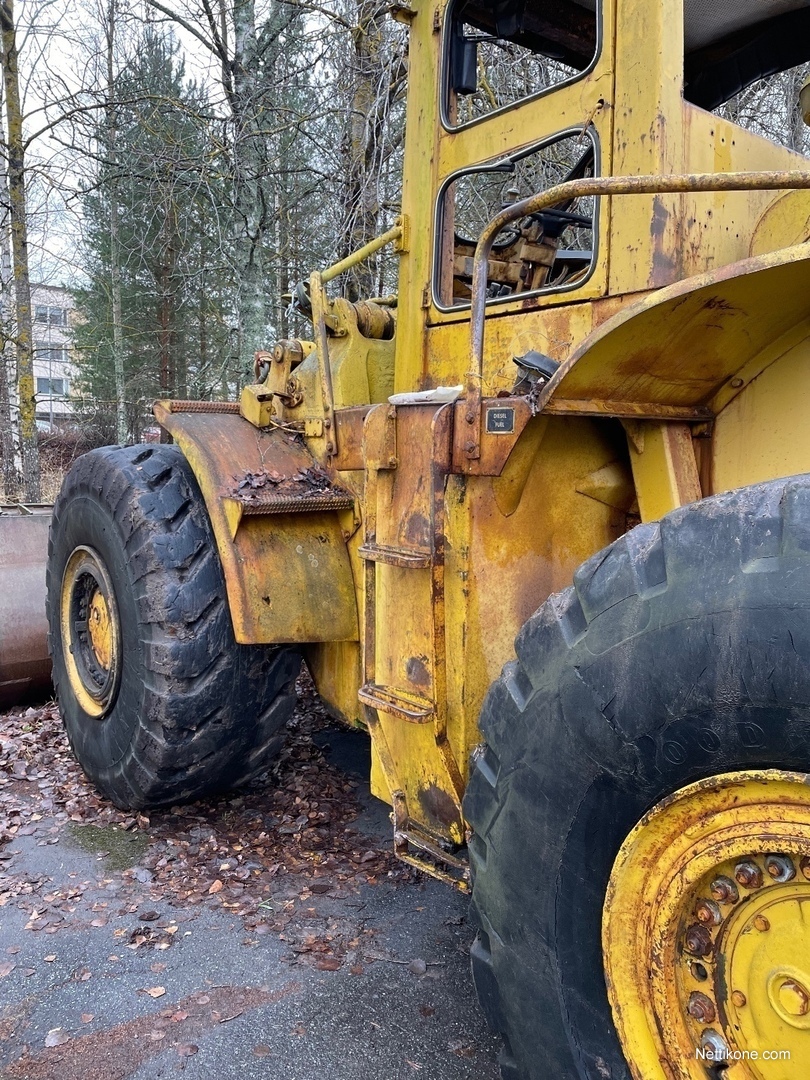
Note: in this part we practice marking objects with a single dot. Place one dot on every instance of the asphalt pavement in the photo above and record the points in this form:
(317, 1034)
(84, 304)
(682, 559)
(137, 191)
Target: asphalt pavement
(191, 990)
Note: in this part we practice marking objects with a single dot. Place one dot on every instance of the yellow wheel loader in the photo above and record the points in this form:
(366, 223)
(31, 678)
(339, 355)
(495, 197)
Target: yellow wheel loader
(540, 524)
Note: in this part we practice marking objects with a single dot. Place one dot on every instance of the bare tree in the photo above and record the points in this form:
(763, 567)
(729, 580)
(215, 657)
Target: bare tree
(110, 118)
(19, 246)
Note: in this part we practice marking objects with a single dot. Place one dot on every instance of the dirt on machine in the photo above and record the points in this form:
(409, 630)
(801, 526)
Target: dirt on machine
(539, 524)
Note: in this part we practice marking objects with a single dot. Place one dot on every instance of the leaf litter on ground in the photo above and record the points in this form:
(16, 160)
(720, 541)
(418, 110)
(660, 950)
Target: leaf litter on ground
(264, 854)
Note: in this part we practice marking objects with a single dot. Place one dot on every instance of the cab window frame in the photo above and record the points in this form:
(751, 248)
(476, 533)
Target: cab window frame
(465, 308)
(444, 86)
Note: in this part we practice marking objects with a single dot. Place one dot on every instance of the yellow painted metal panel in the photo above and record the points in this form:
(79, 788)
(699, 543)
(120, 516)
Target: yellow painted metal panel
(764, 432)
(679, 345)
(664, 467)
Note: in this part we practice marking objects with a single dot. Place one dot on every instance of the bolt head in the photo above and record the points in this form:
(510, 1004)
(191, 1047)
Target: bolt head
(748, 874)
(701, 1007)
(698, 940)
(794, 998)
(724, 890)
(708, 913)
(714, 1042)
(739, 998)
(780, 867)
(762, 924)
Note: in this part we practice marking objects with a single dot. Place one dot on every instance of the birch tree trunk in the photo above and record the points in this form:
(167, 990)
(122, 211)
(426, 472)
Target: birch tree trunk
(19, 246)
(11, 461)
(249, 160)
(111, 123)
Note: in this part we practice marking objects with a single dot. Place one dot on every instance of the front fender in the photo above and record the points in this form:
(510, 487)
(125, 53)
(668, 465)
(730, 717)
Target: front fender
(287, 574)
(682, 345)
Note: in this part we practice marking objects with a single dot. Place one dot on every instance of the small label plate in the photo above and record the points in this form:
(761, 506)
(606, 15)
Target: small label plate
(501, 421)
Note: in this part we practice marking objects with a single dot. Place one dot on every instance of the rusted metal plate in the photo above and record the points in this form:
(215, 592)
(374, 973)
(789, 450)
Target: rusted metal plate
(287, 575)
(350, 437)
(25, 666)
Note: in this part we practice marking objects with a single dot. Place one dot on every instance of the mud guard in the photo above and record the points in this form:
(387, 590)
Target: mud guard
(287, 571)
(680, 346)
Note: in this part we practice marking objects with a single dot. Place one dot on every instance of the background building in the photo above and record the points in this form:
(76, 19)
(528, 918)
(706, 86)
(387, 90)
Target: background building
(53, 317)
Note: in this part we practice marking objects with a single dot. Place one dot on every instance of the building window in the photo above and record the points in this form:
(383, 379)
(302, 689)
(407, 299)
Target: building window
(53, 316)
(56, 354)
(52, 387)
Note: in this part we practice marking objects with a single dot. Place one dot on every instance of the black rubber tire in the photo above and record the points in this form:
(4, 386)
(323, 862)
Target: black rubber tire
(194, 713)
(682, 651)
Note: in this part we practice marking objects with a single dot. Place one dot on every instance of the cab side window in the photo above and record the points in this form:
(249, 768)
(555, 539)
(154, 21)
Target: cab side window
(497, 54)
(550, 250)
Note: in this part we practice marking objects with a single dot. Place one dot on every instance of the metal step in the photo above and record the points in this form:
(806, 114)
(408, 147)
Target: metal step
(296, 504)
(412, 708)
(414, 558)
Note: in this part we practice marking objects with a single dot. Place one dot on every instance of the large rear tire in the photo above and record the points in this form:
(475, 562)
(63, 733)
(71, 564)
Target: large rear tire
(160, 703)
(681, 652)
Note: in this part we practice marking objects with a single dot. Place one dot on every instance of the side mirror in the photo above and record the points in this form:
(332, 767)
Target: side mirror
(463, 61)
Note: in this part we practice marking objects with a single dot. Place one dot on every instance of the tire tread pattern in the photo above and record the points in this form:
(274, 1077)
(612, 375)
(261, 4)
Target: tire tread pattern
(211, 711)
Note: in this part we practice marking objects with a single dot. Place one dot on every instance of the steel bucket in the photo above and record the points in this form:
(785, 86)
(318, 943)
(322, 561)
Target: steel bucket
(25, 667)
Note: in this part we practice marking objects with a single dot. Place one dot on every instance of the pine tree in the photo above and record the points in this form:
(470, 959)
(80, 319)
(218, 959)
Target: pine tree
(163, 181)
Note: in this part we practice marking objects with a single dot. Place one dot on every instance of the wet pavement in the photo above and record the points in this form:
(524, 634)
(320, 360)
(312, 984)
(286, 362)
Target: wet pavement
(340, 975)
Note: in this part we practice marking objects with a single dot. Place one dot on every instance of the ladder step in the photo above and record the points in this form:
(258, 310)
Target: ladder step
(411, 708)
(296, 504)
(414, 558)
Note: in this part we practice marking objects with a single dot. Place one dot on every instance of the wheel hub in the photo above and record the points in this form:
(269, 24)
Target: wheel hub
(706, 932)
(91, 632)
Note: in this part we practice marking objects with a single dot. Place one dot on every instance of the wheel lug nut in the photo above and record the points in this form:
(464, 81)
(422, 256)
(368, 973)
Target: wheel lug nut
(780, 867)
(715, 1044)
(739, 998)
(805, 866)
(708, 913)
(698, 940)
(748, 874)
(724, 890)
(701, 1008)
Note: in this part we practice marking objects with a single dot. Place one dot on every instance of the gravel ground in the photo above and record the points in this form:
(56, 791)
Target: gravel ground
(265, 934)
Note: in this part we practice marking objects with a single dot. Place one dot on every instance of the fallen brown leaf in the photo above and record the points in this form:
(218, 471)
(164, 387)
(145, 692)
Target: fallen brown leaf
(327, 963)
(56, 1037)
(154, 991)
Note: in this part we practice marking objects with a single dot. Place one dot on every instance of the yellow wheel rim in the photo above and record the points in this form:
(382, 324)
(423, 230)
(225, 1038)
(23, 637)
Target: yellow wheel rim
(91, 632)
(706, 932)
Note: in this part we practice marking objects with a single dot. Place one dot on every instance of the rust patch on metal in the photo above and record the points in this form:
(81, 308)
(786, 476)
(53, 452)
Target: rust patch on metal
(417, 671)
(438, 806)
(417, 530)
(115, 1053)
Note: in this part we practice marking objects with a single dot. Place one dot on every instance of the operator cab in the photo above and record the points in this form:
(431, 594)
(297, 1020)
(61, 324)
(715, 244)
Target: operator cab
(499, 55)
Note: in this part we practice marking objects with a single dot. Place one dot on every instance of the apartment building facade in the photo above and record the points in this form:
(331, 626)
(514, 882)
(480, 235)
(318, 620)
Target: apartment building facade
(53, 318)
